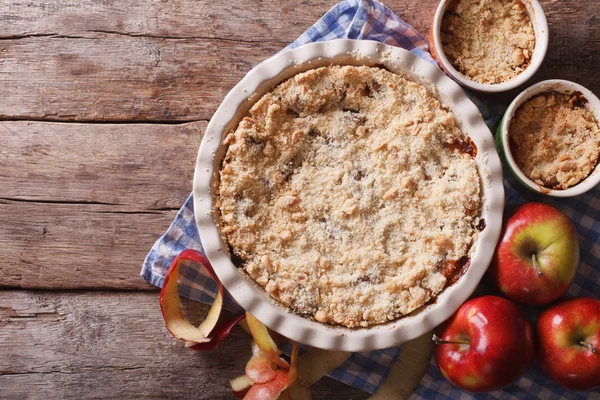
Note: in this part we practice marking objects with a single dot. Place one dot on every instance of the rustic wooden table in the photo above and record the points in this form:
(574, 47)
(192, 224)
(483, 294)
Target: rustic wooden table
(103, 105)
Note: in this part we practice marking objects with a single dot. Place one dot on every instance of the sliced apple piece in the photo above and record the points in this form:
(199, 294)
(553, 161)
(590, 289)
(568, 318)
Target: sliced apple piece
(263, 340)
(240, 384)
(255, 349)
(259, 370)
(261, 336)
(270, 390)
(277, 338)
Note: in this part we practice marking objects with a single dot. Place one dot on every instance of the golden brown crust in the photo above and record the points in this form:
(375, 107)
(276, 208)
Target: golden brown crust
(344, 193)
(555, 140)
(489, 41)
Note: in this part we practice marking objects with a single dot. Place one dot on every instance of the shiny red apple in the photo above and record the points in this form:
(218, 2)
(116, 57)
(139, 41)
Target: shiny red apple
(568, 337)
(486, 345)
(538, 255)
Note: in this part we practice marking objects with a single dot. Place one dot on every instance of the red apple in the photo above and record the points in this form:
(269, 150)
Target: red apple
(486, 345)
(568, 337)
(538, 255)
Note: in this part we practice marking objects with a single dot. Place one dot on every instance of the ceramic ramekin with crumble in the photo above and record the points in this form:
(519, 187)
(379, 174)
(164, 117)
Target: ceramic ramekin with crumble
(587, 102)
(490, 46)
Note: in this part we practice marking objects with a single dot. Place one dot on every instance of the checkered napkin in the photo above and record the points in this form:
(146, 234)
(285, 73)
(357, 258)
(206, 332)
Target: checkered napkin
(366, 19)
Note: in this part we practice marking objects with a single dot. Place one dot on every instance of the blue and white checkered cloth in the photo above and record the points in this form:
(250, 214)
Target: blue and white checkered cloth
(367, 19)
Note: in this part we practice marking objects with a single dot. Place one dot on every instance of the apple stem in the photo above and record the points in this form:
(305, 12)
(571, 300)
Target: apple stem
(439, 340)
(589, 346)
(539, 273)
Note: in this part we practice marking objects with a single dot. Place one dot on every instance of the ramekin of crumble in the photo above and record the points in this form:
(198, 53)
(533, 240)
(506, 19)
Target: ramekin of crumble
(305, 203)
(550, 138)
(489, 45)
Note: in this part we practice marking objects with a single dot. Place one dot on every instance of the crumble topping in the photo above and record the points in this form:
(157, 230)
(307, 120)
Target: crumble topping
(344, 192)
(489, 41)
(555, 140)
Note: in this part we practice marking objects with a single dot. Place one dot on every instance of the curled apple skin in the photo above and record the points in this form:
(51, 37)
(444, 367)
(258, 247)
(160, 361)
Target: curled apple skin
(273, 377)
(265, 342)
(486, 345)
(270, 390)
(259, 370)
(214, 329)
(170, 306)
(219, 333)
(293, 372)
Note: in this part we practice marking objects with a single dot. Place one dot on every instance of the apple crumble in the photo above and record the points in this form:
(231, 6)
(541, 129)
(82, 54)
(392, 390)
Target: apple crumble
(347, 194)
(489, 41)
(555, 140)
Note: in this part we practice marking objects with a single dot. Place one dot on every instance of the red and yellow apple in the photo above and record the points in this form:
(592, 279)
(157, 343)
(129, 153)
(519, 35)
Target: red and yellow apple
(568, 337)
(537, 256)
(485, 346)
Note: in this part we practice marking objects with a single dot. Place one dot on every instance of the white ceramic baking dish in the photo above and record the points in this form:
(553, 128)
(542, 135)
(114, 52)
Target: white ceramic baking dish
(252, 297)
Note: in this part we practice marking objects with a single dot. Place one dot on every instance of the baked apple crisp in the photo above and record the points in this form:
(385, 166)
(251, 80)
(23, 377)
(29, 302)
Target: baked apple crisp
(347, 194)
(489, 41)
(555, 140)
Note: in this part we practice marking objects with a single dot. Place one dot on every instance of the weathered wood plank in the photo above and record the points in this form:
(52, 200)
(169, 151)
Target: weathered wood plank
(81, 204)
(55, 246)
(136, 166)
(119, 76)
(102, 345)
(261, 20)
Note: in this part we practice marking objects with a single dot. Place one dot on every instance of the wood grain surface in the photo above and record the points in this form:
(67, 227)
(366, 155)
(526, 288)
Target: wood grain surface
(123, 78)
(81, 204)
(237, 20)
(113, 61)
(102, 345)
(133, 167)
(63, 246)
(103, 104)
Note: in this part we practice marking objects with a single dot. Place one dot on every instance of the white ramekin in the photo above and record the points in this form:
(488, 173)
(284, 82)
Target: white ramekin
(502, 142)
(252, 297)
(540, 26)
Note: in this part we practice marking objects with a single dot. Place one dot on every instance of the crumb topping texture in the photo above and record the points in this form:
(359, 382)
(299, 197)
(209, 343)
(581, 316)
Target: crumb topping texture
(489, 41)
(345, 194)
(555, 140)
